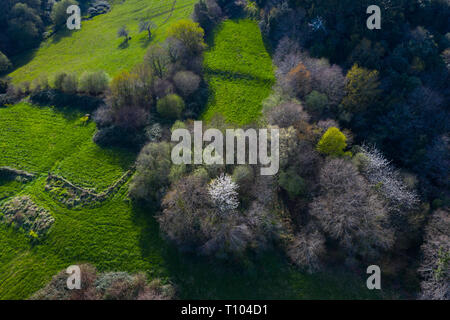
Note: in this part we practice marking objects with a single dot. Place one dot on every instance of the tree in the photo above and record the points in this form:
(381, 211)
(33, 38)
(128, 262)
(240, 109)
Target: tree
(286, 114)
(170, 107)
(5, 64)
(59, 12)
(223, 192)
(293, 184)
(186, 82)
(147, 25)
(190, 34)
(123, 32)
(152, 173)
(94, 82)
(25, 26)
(435, 260)
(333, 143)
(349, 212)
(362, 88)
(307, 248)
(381, 174)
(316, 102)
(158, 60)
(298, 81)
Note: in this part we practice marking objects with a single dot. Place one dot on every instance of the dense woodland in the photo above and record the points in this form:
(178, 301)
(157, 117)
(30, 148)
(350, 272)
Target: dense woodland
(364, 122)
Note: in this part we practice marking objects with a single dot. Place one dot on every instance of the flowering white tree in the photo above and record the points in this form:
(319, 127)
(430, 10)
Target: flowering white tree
(379, 172)
(223, 192)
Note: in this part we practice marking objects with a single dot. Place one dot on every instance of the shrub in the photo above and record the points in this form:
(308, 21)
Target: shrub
(58, 80)
(333, 143)
(186, 82)
(105, 286)
(70, 84)
(40, 83)
(170, 107)
(5, 64)
(94, 82)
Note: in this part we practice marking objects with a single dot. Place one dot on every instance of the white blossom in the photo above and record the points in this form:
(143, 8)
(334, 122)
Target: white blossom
(223, 192)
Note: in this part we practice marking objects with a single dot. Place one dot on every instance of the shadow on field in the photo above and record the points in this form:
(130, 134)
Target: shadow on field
(23, 59)
(266, 275)
(61, 34)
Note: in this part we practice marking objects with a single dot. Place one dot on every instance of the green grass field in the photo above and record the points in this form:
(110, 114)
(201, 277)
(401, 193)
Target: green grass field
(239, 72)
(96, 45)
(116, 236)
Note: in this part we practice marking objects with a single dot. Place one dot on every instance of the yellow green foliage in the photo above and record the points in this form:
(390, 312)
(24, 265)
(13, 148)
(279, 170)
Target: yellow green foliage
(362, 87)
(189, 33)
(333, 143)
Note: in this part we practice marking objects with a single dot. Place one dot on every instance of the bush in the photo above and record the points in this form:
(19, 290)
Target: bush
(5, 64)
(333, 143)
(105, 286)
(94, 82)
(58, 80)
(70, 84)
(186, 82)
(170, 107)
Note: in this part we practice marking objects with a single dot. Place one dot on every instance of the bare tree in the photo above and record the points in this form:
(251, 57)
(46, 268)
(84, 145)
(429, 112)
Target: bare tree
(434, 267)
(348, 211)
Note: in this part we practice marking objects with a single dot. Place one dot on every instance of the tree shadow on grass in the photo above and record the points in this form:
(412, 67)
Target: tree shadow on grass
(61, 34)
(123, 45)
(23, 59)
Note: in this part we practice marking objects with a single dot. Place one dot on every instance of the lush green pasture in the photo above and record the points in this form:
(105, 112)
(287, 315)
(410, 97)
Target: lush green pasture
(35, 138)
(118, 236)
(96, 45)
(239, 72)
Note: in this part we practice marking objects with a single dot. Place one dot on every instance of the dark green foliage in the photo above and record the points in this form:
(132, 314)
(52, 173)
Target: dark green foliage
(170, 107)
(294, 185)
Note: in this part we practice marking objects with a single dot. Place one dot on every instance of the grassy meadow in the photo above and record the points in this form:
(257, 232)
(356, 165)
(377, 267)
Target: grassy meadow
(117, 236)
(96, 45)
(239, 72)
